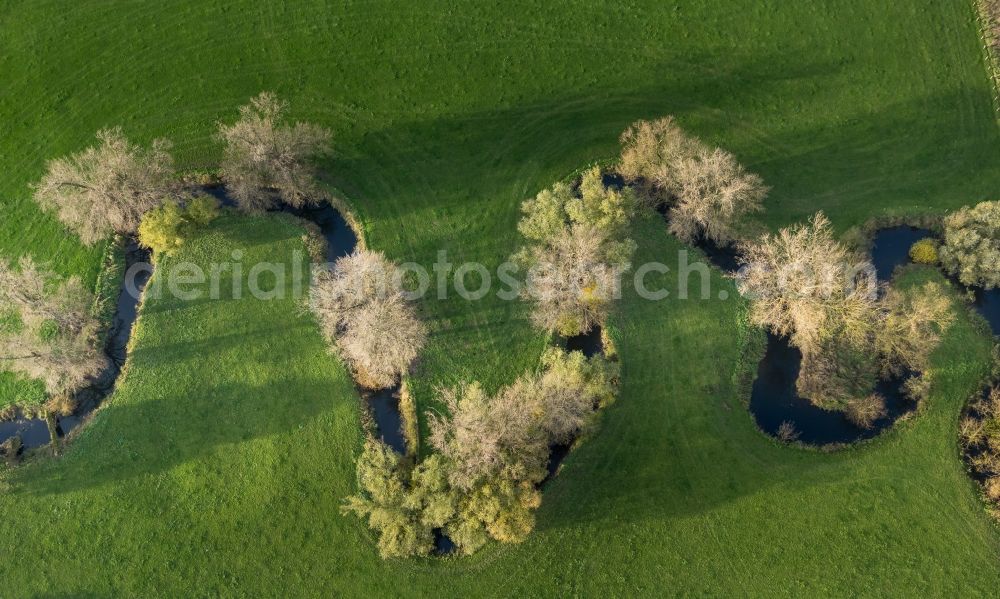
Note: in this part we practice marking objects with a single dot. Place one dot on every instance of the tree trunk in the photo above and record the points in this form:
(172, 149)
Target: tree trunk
(50, 421)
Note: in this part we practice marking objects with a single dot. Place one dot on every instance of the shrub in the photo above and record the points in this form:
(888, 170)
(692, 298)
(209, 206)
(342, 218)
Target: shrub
(266, 161)
(501, 507)
(202, 210)
(10, 449)
(430, 495)
(865, 411)
(837, 372)
(971, 248)
(918, 387)
(979, 436)
(55, 336)
(383, 500)
(787, 432)
(924, 251)
(161, 229)
(577, 246)
(316, 244)
(362, 311)
(165, 228)
(106, 189)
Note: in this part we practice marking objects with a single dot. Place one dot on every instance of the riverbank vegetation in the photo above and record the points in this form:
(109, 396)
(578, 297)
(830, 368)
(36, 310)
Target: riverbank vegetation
(578, 244)
(362, 309)
(231, 474)
(491, 455)
(267, 162)
(806, 285)
(105, 189)
(971, 248)
(49, 332)
(705, 191)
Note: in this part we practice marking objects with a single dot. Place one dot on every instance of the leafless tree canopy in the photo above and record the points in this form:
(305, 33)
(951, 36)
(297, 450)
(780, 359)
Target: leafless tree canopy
(510, 433)
(577, 247)
(361, 309)
(714, 191)
(486, 434)
(865, 411)
(650, 149)
(266, 160)
(106, 189)
(707, 188)
(912, 326)
(50, 334)
(804, 284)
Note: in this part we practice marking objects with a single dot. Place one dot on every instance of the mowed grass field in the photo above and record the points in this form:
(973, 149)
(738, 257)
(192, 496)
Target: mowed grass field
(219, 464)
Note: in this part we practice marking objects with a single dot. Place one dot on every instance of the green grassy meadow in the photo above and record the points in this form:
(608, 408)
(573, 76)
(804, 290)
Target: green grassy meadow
(218, 465)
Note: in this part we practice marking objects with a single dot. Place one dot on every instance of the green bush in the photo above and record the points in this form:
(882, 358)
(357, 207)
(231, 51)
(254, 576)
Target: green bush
(384, 501)
(483, 481)
(924, 251)
(202, 210)
(161, 229)
(165, 228)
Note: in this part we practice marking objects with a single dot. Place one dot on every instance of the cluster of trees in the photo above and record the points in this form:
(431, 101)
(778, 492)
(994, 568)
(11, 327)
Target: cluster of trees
(120, 187)
(807, 286)
(979, 434)
(578, 244)
(48, 331)
(971, 249)
(363, 311)
(492, 452)
(108, 188)
(706, 189)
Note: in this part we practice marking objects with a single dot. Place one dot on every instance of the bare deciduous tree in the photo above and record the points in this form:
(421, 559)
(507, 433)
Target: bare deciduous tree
(912, 326)
(650, 149)
(361, 310)
(511, 432)
(267, 161)
(707, 188)
(571, 282)
(485, 435)
(865, 411)
(106, 189)
(838, 370)
(804, 284)
(714, 191)
(53, 335)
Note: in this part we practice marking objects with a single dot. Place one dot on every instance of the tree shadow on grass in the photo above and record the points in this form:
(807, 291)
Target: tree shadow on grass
(153, 434)
(516, 151)
(530, 153)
